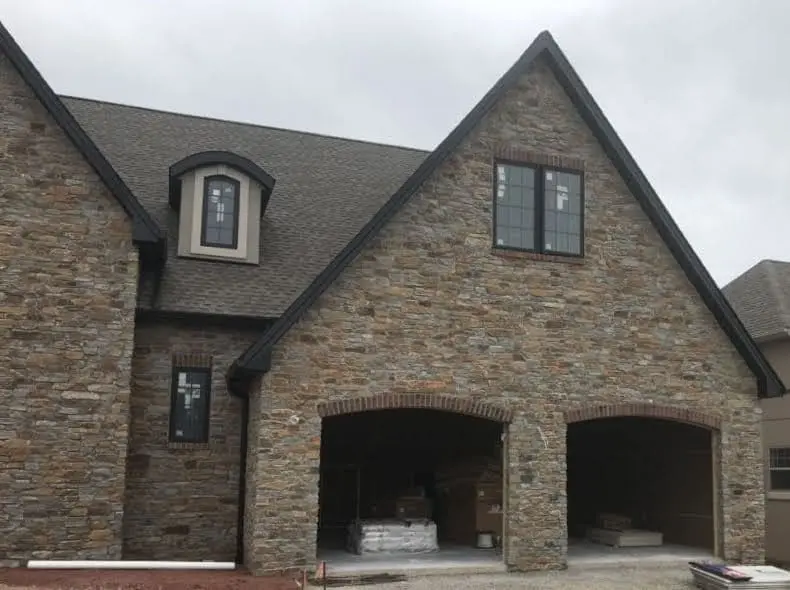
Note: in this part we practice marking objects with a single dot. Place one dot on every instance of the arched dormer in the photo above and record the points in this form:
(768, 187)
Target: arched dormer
(220, 198)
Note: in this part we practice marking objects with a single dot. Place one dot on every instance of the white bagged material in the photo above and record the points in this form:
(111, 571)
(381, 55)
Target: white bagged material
(392, 536)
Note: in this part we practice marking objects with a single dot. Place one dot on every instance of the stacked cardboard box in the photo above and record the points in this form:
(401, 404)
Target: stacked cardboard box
(412, 507)
(471, 500)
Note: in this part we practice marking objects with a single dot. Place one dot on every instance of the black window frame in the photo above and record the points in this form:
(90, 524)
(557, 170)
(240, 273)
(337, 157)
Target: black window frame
(204, 215)
(540, 207)
(203, 435)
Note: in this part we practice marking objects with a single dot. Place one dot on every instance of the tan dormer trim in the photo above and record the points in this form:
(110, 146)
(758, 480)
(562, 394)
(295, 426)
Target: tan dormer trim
(191, 218)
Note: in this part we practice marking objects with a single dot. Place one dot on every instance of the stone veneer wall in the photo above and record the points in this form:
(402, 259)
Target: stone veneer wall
(68, 284)
(429, 308)
(181, 498)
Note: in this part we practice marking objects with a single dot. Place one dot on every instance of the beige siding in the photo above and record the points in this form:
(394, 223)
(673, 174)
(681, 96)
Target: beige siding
(776, 433)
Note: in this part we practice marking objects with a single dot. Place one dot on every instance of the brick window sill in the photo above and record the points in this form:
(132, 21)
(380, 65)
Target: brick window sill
(536, 256)
(187, 446)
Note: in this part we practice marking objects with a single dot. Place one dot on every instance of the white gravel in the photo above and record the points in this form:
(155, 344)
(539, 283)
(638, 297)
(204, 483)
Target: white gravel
(675, 577)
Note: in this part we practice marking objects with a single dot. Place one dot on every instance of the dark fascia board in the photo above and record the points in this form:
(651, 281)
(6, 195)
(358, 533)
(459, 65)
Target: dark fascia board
(145, 229)
(193, 318)
(769, 383)
(217, 158)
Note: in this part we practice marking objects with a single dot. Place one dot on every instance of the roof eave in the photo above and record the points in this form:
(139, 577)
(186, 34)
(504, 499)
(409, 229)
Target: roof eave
(769, 383)
(240, 378)
(145, 229)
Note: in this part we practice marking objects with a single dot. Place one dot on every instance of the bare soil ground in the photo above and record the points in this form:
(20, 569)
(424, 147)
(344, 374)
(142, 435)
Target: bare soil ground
(24, 579)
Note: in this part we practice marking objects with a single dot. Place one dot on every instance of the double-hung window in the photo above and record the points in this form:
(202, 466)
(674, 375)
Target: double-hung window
(538, 209)
(779, 468)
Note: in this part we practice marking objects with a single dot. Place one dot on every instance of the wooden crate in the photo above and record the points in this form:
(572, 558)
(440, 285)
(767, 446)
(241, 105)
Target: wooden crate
(614, 522)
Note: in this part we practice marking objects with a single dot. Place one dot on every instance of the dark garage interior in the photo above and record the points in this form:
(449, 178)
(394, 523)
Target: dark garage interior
(657, 474)
(410, 464)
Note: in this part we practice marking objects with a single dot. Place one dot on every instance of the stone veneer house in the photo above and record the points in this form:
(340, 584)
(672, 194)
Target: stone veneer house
(184, 301)
(761, 298)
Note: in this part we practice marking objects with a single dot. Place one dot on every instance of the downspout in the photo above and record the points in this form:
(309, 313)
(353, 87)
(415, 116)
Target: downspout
(244, 445)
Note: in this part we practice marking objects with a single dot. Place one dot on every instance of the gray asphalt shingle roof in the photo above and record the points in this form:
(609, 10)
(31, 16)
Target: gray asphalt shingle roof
(761, 298)
(327, 188)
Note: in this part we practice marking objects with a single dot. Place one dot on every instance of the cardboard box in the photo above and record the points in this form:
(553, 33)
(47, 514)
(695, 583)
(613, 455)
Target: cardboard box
(412, 507)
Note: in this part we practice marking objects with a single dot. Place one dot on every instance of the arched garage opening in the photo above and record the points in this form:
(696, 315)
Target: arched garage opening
(410, 484)
(640, 484)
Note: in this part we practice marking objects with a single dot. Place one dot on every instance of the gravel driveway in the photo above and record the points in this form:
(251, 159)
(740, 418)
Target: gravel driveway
(675, 577)
(648, 577)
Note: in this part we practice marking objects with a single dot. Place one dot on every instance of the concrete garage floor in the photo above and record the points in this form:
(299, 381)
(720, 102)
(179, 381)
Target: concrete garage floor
(455, 560)
(585, 554)
(582, 555)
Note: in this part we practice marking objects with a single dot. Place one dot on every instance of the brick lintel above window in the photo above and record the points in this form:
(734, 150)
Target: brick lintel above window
(520, 155)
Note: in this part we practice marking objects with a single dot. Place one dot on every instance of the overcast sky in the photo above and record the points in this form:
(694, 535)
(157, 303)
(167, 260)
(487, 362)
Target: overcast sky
(697, 89)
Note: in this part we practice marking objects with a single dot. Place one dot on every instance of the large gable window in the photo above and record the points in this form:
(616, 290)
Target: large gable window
(189, 405)
(538, 209)
(220, 228)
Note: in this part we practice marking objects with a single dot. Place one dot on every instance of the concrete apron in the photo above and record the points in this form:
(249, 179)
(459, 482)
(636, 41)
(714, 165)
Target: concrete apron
(460, 561)
(469, 561)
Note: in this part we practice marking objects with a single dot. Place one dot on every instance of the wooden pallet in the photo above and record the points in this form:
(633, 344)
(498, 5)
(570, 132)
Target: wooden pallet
(627, 538)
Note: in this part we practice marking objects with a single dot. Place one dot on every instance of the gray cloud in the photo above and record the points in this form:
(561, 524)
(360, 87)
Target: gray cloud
(695, 89)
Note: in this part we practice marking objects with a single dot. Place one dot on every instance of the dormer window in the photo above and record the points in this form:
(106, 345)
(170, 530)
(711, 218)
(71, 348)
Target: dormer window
(220, 219)
(220, 198)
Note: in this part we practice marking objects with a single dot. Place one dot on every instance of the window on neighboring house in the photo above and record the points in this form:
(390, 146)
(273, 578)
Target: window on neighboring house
(220, 227)
(190, 405)
(779, 465)
(538, 209)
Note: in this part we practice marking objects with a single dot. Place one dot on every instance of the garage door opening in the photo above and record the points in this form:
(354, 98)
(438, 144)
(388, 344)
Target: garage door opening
(640, 488)
(410, 489)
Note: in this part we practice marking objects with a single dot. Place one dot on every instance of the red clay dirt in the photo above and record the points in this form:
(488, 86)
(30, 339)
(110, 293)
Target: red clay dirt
(19, 578)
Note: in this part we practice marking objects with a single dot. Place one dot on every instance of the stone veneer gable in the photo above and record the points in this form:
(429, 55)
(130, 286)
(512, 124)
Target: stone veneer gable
(427, 309)
(68, 283)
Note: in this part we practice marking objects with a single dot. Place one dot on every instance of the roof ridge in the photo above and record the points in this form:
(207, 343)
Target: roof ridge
(243, 123)
(737, 279)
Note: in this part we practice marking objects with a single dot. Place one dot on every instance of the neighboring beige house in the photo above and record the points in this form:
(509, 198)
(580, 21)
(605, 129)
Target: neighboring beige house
(761, 298)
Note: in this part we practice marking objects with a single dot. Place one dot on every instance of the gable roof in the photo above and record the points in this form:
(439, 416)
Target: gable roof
(257, 358)
(327, 188)
(761, 298)
(145, 230)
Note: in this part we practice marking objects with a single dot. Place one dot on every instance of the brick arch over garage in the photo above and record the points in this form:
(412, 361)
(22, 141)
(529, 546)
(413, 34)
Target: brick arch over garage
(644, 410)
(395, 401)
